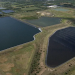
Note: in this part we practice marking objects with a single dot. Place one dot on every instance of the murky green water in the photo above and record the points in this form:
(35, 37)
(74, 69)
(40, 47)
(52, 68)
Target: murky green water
(60, 9)
(45, 21)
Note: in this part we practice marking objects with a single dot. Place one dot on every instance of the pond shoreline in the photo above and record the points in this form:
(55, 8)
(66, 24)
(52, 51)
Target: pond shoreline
(26, 42)
(48, 46)
(23, 22)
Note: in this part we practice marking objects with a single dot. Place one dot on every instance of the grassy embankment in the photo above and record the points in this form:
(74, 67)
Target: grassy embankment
(68, 67)
(16, 61)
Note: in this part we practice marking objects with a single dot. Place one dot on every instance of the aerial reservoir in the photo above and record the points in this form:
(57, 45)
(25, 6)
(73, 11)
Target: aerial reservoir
(61, 47)
(14, 32)
(61, 9)
(45, 21)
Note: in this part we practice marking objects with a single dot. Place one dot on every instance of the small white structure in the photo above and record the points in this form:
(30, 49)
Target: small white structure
(52, 6)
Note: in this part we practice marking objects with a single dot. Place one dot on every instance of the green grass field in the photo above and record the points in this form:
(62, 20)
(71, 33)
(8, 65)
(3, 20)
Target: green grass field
(16, 61)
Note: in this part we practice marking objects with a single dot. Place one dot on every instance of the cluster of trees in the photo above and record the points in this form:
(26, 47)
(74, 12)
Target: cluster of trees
(35, 65)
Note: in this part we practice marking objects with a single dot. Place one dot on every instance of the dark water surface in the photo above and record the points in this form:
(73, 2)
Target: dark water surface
(14, 32)
(61, 47)
(7, 11)
(45, 21)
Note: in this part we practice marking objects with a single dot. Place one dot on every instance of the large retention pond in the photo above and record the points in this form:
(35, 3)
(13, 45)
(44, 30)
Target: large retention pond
(14, 32)
(61, 9)
(45, 21)
(61, 47)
